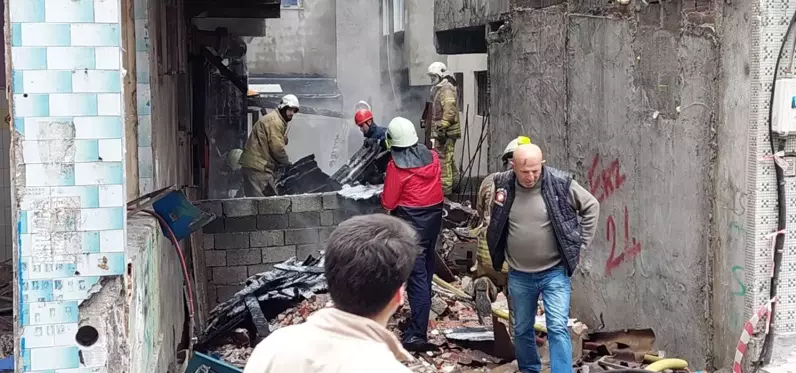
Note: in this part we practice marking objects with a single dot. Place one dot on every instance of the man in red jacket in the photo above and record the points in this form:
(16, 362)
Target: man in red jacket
(413, 192)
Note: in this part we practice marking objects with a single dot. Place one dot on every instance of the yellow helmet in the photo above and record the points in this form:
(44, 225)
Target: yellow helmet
(520, 140)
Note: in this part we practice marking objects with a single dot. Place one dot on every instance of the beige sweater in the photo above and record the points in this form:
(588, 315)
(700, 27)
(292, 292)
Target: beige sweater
(331, 341)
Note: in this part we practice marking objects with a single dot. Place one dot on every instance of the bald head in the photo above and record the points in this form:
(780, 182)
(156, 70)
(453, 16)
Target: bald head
(528, 161)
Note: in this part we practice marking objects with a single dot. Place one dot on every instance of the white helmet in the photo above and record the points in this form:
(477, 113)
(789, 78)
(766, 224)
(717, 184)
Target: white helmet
(401, 133)
(520, 140)
(438, 69)
(362, 105)
(290, 101)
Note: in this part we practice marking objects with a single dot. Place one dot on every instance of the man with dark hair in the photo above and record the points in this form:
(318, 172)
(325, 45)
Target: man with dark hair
(368, 259)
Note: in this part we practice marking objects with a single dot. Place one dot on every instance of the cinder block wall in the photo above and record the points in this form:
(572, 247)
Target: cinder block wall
(250, 235)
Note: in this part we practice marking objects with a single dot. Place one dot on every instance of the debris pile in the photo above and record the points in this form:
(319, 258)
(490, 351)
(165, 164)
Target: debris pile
(6, 310)
(468, 338)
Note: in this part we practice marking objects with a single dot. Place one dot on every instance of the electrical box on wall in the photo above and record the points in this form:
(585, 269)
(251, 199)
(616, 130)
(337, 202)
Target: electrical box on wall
(783, 120)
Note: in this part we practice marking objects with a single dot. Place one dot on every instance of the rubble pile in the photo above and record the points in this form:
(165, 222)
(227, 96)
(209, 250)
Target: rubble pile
(290, 293)
(6, 310)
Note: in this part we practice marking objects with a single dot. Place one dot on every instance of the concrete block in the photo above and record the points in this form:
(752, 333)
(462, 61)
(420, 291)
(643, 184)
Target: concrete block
(210, 206)
(215, 258)
(212, 296)
(208, 242)
(229, 275)
(308, 219)
(278, 254)
(259, 268)
(226, 241)
(215, 226)
(324, 233)
(244, 257)
(301, 236)
(271, 222)
(306, 202)
(209, 274)
(331, 201)
(327, 218)
(274, 205)
(303, 251)
(239, 207)
(267, 238)
(240, 224)
(343, 215)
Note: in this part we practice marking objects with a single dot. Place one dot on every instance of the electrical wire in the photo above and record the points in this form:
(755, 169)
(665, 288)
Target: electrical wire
(781, 202)
(181, 254)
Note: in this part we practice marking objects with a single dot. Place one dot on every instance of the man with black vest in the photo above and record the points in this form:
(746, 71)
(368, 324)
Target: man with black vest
(541, 220)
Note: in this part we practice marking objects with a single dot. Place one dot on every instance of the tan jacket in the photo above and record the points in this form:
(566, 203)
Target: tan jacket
(483, 206)
(331, 341)
(265, 148)
(445, 111)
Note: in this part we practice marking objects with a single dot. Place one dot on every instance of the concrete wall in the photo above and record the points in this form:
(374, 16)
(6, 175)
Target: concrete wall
(419, 40)
(301, 41)
(250, 235)
(156, 316)
(627, 104)
(468, 64)
(730, 213)
(453, 14)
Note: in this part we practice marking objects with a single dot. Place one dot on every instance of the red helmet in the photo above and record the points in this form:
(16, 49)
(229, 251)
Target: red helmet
(362, 116)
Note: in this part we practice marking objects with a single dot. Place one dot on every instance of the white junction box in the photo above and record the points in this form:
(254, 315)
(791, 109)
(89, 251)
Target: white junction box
(783, 120)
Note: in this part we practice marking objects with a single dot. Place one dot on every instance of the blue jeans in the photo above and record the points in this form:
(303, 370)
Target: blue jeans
(524, 290)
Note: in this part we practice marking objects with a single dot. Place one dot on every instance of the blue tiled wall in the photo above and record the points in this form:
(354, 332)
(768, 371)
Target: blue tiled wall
(67, 107)
(145, 169)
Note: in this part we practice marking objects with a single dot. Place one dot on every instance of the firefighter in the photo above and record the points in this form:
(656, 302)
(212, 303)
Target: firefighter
(413, 192)
(487, 279)
(445, 121)
(364, 120)
(265, 150)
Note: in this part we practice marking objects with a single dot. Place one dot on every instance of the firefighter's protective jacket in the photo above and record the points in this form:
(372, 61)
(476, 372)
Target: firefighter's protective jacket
(445, 110)
(265, 148)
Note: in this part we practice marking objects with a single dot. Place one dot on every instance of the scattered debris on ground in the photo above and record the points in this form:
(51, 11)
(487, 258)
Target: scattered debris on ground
(290, 293)
(6, 310)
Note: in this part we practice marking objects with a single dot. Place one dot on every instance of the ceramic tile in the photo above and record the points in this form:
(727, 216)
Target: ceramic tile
(49, 336)
(42, 81)
(107, 58)
(111, 196)
(68, 11)
(49, 175)
(112, 241)
(29, 58)
(26, 10)
(144, 130)
(96, 81)
(44, 35)
(31, 105)
(94, 35)
(98, 173)
(73, 104)
(69, 58)
(106, 11)
(109, 103)
(106, 127)
(54, 358)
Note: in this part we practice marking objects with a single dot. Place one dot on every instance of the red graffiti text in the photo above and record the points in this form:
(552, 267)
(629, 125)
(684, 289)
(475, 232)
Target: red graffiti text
(630, 248)
(606, 182)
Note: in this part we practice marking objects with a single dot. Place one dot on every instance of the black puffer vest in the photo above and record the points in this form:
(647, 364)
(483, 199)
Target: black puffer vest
(563, 217)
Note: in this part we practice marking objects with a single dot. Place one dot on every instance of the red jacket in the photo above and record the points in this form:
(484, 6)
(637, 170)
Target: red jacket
(412, 187)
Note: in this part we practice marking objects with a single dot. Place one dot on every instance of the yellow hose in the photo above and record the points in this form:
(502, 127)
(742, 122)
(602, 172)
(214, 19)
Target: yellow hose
(503, 314)
(458, 292)
(664, 364)
(652, 358)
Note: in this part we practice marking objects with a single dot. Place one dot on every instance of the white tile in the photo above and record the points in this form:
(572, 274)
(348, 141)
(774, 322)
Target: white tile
(95, 35)
(96, 81)
(112, 241)
(66, 11)
(107, 58)
(110, 150)
(109, 104)
(106, 11)
(68, 58)
(111, 195)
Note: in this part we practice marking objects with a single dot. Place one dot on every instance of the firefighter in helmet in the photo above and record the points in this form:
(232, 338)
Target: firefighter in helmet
(265, 151)
(445, 121)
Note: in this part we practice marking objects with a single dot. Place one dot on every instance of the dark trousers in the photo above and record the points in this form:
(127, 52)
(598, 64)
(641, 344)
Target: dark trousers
(428, 223)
